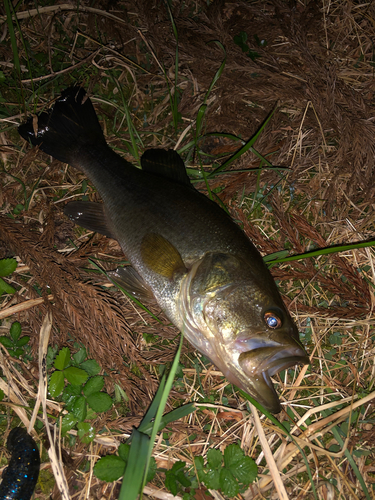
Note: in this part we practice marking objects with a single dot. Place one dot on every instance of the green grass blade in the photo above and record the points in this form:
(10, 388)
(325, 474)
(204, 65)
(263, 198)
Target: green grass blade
(12, 35)
(132, 480)
(351, 460)
(163, 401)
(248, 147)
(173, 415)
(218, 72)
(270, 259)
(284, 430)
(202, 112)
(199, 122)
(174, 100)
(131, 128)
(151, 412)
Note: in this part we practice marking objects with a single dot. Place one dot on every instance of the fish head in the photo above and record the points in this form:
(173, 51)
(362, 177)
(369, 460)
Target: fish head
(240, 322)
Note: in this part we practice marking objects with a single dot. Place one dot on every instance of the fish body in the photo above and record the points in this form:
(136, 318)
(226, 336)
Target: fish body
(185, 251)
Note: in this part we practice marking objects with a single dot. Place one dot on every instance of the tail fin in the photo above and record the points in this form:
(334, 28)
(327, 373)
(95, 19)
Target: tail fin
(66, 128)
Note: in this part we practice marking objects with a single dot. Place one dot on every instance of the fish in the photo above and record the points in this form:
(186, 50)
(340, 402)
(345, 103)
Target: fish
(185, 252)
(20, 477)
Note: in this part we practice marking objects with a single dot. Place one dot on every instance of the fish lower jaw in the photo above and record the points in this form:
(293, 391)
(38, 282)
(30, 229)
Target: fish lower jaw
(257, 366)
(280, 360)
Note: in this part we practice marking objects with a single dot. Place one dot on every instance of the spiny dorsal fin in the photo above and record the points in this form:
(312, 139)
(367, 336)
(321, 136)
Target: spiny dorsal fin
(89, 215)
(161, 256)
(130, 280)
(166, 164)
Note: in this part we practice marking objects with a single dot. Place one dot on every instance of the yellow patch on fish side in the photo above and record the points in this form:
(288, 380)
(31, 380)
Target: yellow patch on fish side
(161, 256)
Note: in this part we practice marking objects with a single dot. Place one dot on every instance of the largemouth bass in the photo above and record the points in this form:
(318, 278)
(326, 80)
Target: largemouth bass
(185, 251)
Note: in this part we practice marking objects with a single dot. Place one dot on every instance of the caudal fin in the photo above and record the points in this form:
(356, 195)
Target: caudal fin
(68, 126)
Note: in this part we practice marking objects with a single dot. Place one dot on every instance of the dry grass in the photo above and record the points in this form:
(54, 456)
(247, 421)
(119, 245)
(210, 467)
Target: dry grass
(318, 65)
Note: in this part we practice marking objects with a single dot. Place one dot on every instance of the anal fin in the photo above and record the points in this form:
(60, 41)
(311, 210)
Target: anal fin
(130, 280)
(89, 215)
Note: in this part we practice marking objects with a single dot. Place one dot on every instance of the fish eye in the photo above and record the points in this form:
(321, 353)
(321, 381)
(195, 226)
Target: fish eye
(272, 320)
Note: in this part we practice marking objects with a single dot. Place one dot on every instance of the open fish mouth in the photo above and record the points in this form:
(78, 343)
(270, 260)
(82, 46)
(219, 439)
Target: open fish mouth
(281, 360)
(262, 363)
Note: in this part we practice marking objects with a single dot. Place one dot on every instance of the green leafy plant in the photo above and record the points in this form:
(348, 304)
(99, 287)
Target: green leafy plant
(231, 478)
(230, 473)
(83, 394)
(177, 479)
(15, 343)
(7, 267)
(241, 40)
(112, 467)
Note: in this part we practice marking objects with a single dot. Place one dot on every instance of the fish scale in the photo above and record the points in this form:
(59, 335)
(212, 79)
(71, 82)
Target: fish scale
(185, 251)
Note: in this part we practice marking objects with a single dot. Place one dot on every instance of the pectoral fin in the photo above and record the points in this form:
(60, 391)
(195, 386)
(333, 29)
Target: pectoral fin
(161, 256)
(89, 215)
(129, 279)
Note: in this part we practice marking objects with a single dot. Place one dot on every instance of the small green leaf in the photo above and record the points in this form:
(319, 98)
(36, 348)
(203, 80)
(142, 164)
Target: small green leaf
(91, 367)
(94, 384)
(232, 455)
(171, 482)
(123, 451)
(214, 458)
(241, 40)
(1, 394)
(70, 404)
(120, 394)
(15, 331)
(242, 467)
(51, 353)
(62, 359)
(75, 375)
(183, 479)
(7, 266)
(177, 466)
(99, 401)
(23, 341)
(56, 384)
(246, 470)
(86, 432)
(79, 409)
(18, 208)
(228, 484)
(68, 422)
(80, 356)
(109, 468)
(212, 479)
(7, 342)
(5, 288)
(91, 415)
(152, 468)
(199, 465)
(70, 392)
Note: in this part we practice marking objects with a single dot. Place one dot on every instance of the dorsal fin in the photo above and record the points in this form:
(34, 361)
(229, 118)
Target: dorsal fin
(166, 164)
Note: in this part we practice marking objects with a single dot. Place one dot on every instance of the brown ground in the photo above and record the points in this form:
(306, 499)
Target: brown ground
(316, 67)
